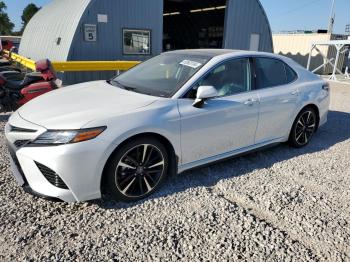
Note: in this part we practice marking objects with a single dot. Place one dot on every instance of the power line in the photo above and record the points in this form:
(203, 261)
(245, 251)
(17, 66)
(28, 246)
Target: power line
(299, 8)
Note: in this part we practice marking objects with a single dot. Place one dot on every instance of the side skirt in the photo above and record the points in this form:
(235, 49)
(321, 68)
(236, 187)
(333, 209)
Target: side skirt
(232, 154)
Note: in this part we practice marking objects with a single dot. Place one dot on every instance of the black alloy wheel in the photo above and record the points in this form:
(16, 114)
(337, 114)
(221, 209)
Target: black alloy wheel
(137, 169)
(304, 128)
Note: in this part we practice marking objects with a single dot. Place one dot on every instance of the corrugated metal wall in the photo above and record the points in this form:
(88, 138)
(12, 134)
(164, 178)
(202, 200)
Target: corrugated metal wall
(243, 18)
(131, 14)
(58, 19)
(297, 47)
(65, 19)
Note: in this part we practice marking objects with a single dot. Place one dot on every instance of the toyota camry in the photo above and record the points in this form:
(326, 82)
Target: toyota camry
(177, 111)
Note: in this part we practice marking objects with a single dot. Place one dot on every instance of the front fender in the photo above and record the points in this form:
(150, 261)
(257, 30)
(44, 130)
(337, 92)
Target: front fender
(162, 119)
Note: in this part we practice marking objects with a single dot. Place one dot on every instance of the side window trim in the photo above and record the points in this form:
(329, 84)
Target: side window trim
(285, 73)
(296, 76)
(253, 83)
(285, 70)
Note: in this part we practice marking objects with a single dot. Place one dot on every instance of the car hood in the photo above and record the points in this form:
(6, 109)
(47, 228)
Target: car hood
(73, 107)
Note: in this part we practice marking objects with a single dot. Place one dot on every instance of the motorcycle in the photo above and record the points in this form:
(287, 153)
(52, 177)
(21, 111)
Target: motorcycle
(16, 89)
(9, 68)
(6, 65)
(4, 62)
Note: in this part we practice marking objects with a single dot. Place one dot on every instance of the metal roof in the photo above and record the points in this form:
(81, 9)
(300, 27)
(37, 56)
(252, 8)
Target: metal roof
(332, 42)
(54, 27)
(247, 17)
(204, 52)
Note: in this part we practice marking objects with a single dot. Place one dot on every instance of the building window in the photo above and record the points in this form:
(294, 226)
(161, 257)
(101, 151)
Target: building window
(136, 42)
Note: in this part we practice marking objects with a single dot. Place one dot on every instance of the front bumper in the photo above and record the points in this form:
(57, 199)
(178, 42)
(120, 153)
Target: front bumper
(79, 166)
(21, 179)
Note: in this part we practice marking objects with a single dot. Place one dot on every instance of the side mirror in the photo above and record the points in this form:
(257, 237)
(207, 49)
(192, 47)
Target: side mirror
(204, 93)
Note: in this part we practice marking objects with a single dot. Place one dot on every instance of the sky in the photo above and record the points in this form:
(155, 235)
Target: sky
(15, 9)
(284, 15)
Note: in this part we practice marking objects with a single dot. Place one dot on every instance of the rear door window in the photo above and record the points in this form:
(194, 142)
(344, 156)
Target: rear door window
(273, 72)
(291, 75)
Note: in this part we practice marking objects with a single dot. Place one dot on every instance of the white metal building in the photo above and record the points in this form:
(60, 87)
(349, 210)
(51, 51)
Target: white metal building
(297, 47)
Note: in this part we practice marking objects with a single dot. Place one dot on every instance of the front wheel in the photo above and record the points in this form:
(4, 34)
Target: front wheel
(303, 128)
(136, 170)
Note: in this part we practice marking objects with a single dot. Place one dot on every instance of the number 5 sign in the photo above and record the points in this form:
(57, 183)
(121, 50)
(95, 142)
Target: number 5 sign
(90, 33)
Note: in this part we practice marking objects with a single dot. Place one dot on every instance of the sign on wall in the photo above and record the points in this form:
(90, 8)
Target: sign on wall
(102, 18)
(254, 42)
(90, 33)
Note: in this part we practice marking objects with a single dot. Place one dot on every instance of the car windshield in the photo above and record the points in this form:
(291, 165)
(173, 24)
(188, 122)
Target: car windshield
(162, 75)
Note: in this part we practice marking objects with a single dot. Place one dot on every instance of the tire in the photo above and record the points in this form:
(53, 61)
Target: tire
(136, 170)
(303, 129)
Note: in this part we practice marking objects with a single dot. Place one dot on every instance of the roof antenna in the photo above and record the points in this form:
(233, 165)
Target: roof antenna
(332, 18)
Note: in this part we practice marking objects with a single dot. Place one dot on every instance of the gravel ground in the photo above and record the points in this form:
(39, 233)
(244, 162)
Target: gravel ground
(280, 204)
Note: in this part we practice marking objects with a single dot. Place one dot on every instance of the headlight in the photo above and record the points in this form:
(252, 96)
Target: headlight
(62, 137)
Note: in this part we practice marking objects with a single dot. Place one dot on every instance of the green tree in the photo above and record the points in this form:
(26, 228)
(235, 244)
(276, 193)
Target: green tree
(28, 13)
(6, 25)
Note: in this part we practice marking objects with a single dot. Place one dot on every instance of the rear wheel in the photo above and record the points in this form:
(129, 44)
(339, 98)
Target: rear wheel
(303, 128)
(136, 170)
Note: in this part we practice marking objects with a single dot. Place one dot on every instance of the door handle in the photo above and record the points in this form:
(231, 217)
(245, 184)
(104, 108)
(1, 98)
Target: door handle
(295, 93)
(250, 102)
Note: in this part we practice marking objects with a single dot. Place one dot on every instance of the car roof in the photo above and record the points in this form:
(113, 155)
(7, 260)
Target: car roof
(218, 52)
(203, 52)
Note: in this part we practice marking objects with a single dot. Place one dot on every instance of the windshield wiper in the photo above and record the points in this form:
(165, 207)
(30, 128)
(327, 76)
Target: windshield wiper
(116, 83)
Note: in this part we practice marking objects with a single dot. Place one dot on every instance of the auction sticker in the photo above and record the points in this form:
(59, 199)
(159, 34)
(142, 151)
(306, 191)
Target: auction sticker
(190, 63)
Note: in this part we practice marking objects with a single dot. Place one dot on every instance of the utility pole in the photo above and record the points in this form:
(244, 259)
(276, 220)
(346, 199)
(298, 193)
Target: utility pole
(332, 18)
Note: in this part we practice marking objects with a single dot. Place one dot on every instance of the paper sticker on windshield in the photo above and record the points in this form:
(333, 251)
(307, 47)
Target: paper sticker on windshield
(192, 64)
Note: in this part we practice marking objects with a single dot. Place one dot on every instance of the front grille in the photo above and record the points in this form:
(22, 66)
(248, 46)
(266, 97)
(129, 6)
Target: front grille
(21, 130)
(20, 143)
(51, 176)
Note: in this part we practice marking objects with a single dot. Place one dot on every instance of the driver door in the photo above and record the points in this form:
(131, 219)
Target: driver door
(225, 123)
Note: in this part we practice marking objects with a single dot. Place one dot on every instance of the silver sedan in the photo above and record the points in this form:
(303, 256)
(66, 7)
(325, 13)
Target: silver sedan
(174, 112)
